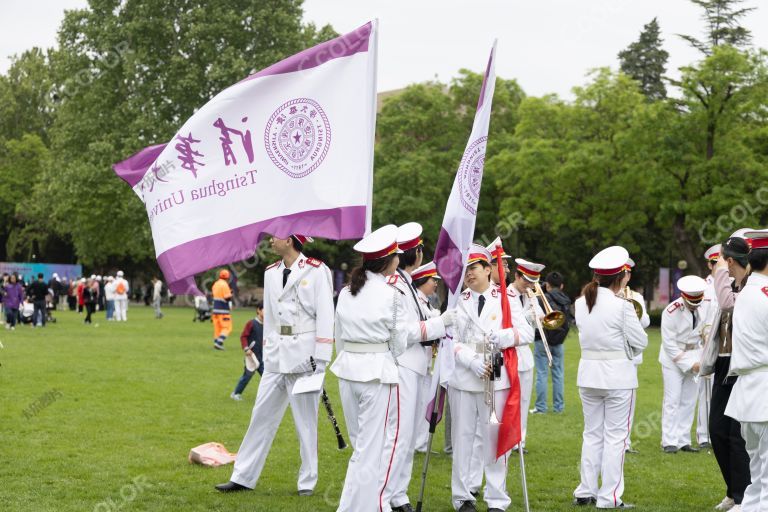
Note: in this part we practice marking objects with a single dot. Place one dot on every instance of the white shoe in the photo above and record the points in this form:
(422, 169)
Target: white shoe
(236, 398)
(736, 508)
(727, 504)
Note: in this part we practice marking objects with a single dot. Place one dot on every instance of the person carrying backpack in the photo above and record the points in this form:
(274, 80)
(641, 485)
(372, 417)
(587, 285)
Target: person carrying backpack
(559, 301)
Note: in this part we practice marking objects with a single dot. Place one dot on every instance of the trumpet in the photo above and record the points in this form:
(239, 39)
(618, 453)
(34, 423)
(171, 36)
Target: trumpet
(494, 361)
(635, 304)
(552, 319)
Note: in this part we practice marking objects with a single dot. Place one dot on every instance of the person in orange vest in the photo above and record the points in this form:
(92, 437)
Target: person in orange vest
(222, 318)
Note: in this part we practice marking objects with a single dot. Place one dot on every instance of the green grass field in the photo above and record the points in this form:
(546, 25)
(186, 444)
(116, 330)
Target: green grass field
(123, 404)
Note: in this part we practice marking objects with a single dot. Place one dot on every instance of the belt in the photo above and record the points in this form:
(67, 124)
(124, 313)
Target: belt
(294, 330)
(365, 348)
(603, 355)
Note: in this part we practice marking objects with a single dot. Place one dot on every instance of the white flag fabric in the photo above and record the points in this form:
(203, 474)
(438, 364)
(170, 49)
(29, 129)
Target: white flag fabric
(288, 150)
(458, 227)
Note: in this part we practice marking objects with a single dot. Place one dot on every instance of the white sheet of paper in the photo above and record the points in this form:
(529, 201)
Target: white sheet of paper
(309, 384)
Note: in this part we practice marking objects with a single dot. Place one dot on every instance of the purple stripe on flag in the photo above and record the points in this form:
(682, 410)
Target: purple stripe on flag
(342, 46)
(133, 169)
(440, 407)
(448, 260)
(238, 244)
(485, 79)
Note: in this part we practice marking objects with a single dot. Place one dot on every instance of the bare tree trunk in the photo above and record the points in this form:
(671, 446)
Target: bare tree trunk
(688, 248)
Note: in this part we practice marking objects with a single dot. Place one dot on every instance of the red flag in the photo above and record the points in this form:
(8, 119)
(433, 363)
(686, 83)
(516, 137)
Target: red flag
(510, 430)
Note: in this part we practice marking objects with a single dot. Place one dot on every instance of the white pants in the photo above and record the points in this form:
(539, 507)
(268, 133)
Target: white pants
(272, 398)
(422, 425)
(367, 408)
(410, 412)
(756, 439)
(705, 399)
(121, 309)
(606, 430)
(467, 408)
(632, 408)
(679, 405)
(526, 388)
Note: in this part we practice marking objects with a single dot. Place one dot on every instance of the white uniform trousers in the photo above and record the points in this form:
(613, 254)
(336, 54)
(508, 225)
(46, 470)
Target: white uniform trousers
(121, 310)
(526, 389)
(422, 425)
(756, 439)
(273, 396)
(367, 407)
(705, 399)
(606, 430)
(680, 392)
(466, 408)
(410, 412)
(632, 408)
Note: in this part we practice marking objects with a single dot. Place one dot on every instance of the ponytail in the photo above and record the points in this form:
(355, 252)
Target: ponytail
(359, 277)
(590, 289)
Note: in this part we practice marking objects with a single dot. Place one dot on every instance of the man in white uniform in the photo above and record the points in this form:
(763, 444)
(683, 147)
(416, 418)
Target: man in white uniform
(682, 330)
(705, 383)
(298, 325)
(645, 321)
(749, 360)
(413, 365)
(478, 325)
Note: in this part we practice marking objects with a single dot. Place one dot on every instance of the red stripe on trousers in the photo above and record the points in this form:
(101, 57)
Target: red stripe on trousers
(623, 451)
(394, 446)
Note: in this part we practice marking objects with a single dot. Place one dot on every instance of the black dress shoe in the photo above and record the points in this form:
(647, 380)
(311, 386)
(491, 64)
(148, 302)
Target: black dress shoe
(468, 506)
(403, 508)
(583, 502)
(670, 449)
(631, 450)
(306, 492)
(495, 510)
(689, 448)
(705, 446)
(517, 450)
(231, 487)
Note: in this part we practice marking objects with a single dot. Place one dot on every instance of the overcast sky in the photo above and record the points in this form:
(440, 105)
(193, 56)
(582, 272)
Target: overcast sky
(547, 45)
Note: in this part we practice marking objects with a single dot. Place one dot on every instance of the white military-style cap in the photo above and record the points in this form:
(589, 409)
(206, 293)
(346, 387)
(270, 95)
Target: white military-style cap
(531, 271)
(119, 273)
(757, 238)
(492, 249)
(741, 233)
(630, 264)
(378, 244)
(692, 289)
(303, 239)
(426, 270)
(478, 253)
(409, 236)
(609, 261)
(713, 253)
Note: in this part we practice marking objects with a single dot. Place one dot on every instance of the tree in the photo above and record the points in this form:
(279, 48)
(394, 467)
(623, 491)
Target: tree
(25, 105)
(722, 19)
(645, 60)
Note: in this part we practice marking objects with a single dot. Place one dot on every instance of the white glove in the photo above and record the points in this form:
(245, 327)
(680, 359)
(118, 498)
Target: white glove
(449, 317)
(320, 366)
(304, 367)
(494, 339)
(478, 367)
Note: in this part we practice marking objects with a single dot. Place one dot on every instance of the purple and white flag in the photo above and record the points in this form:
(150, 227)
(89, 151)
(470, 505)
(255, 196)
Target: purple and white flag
(286, 150)
(458, 227)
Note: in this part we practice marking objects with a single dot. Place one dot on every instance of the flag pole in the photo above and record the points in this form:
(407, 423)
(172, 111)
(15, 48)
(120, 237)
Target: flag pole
(432, 427)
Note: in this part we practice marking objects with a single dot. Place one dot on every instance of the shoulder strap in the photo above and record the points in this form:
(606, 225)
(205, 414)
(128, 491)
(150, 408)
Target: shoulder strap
(413, 294)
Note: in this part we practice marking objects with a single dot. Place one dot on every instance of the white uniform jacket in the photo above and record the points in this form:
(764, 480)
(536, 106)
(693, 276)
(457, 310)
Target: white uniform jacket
(681, 342)
(298, 318)
(471, 332)
(645, 321)
(749, 359)
(417, 357)
(605, 336)
(376, 315)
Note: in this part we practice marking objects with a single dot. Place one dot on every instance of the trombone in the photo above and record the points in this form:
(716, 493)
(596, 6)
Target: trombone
(539, 324)
(635, 304)
(552, 319)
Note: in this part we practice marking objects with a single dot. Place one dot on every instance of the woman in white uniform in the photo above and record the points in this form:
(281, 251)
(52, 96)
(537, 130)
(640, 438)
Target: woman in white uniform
(370, 333)
(610, 336)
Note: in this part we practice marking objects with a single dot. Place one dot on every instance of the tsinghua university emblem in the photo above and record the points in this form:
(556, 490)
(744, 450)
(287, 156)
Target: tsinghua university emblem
(471, 174)
(297, 137)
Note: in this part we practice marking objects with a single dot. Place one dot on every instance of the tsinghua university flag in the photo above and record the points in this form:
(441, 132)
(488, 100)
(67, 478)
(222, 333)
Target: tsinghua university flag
(458, 229)
(287, 150)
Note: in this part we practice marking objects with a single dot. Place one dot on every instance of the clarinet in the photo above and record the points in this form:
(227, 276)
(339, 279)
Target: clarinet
(329, 411)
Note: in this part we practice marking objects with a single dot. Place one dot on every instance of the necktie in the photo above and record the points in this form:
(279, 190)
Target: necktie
(480, 304)
(693, 313)
(286, 271)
